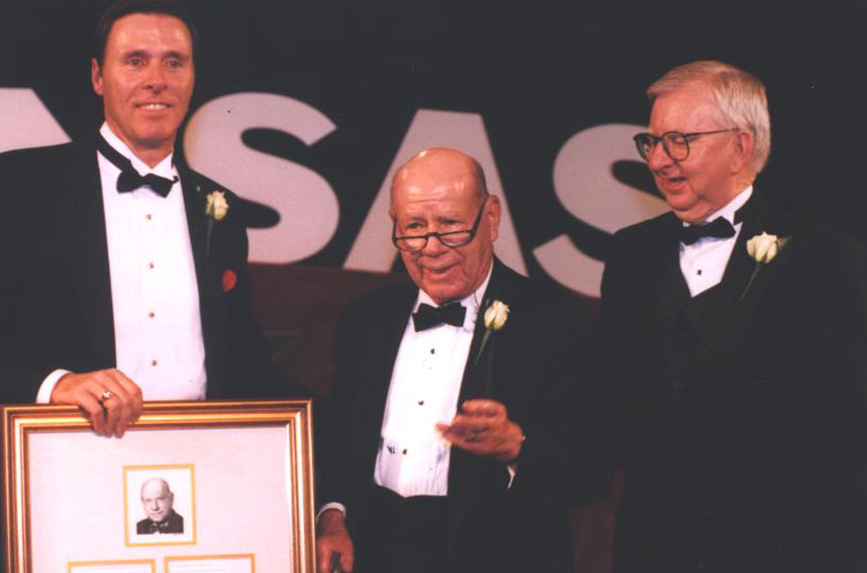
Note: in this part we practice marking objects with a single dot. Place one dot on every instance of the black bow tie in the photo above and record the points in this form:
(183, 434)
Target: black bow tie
(161, 527)
(428, 316)
(720, 228)
(129, 179)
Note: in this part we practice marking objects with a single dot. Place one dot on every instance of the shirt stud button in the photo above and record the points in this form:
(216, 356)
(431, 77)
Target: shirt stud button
(153, 362)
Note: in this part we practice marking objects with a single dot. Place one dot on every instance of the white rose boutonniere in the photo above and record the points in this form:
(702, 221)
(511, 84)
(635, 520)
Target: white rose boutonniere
(217, 206)
(763, 249)
(496, 315)
(216, 209)
(495, 318)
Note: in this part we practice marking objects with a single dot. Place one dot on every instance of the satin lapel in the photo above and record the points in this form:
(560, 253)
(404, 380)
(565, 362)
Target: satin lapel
(466, 471)
(657, 264)
(740, 265)
(742, 296)
(478, 372)
(80, 218)
(210, 312)
(741, 306)
(194, 203)
(382, 344)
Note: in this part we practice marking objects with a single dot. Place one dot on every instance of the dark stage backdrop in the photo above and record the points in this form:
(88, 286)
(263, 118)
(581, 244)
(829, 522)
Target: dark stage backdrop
(305, 108)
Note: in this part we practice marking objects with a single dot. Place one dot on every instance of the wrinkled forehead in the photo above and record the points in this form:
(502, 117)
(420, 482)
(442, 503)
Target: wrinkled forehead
(453, 198)
(690, 108)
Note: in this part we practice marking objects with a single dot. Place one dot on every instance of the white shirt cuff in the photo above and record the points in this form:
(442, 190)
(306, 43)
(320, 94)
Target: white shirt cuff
(333, 505)
(512, 473)
(47, 387)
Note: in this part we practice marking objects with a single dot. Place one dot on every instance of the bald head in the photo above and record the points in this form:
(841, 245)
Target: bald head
(439, 166)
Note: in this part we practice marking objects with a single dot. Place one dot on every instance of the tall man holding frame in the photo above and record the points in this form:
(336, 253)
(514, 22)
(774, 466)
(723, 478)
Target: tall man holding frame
(124, 273)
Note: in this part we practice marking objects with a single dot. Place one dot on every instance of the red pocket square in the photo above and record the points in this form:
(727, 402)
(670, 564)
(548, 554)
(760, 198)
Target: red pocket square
(229, 280)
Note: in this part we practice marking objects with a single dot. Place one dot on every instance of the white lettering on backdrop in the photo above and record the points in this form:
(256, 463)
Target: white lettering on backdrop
(308, 206)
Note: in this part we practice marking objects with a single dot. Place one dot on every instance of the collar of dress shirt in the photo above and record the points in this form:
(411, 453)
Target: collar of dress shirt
(729, 209)
(471, 302)
(164, 168)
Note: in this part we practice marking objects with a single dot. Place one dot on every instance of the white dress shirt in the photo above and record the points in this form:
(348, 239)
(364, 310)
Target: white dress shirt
(704, 262)
(413, 458)
(154, 291)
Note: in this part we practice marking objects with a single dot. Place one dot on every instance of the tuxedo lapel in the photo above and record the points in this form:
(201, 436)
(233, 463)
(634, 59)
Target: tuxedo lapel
(740, 266)
(383, 339)
(194, 203)
(744, 291)
(660, 256)
(739, 302)
(210, 311)
(80, 218)
(477, 379)
(467, 472)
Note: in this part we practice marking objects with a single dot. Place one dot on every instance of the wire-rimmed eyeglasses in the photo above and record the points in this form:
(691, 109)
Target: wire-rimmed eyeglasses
(675, 143)
(450, 239)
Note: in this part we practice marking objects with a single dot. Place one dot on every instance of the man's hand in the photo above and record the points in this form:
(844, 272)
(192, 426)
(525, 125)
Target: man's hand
(482, 427)
(333, 542)
(108, 415)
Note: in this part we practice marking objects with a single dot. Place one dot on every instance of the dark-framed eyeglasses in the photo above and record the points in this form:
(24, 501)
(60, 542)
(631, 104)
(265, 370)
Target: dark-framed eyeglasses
(450, 239)
(675, 143)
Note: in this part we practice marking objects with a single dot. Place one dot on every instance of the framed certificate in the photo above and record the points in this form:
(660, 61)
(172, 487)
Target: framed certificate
(192, 486)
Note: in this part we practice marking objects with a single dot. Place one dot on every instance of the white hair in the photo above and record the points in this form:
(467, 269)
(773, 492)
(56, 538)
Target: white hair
(739, 96)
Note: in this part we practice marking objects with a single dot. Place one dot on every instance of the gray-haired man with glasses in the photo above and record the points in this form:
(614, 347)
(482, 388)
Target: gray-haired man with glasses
(735, 338)
(467, 407)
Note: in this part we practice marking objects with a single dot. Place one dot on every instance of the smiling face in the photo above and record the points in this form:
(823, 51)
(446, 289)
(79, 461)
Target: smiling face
(716, 169)
(438, 191)
(157, 499)
(146, 82)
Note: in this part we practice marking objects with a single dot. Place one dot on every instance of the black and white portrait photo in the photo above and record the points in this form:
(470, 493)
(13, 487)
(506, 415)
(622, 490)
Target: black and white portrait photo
(160, 505)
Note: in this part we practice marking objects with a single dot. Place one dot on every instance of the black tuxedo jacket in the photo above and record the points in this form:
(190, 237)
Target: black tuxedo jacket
(175, 524)
(541, 365)
(55, 291)
(759, 464)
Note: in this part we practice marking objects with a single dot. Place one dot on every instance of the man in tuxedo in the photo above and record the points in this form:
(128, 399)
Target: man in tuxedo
(157, 500)
(124, 274)
(457, 445)
(737, 375)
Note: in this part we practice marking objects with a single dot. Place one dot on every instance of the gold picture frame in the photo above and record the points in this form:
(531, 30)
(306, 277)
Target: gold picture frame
(239, 474)
(142, 566)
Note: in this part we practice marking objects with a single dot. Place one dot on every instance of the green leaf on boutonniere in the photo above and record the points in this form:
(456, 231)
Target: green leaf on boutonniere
(495, 318)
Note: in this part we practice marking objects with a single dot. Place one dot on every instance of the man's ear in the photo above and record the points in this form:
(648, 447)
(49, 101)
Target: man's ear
(96, 76)
(494, 210)
(743, 146)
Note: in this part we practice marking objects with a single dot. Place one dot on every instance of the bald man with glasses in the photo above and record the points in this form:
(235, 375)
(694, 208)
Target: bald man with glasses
(467, 405)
